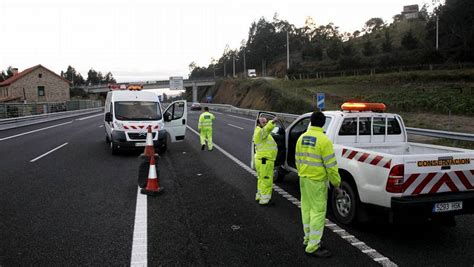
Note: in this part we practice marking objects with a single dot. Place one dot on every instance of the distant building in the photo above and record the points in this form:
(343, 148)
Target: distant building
(36, 84)
(410, 12)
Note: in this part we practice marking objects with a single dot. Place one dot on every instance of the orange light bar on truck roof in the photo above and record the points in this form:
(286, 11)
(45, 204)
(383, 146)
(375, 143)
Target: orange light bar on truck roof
(352, 106)
(135, 87)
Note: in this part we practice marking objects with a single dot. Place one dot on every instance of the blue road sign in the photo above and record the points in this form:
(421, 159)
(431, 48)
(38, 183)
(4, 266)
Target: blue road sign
(320, 100)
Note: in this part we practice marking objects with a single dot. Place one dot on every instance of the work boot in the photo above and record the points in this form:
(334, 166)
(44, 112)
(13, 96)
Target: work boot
(320, 253)
(202, 147)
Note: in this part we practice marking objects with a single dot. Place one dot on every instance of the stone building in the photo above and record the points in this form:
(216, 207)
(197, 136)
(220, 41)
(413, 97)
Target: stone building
(36, 84)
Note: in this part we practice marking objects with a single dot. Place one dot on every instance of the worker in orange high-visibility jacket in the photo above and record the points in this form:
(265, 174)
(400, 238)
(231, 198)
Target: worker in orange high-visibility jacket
(265, 154)
(205, 128)
(316, 164)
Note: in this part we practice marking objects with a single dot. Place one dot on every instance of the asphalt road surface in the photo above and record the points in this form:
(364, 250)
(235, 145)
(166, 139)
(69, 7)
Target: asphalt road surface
(65, 200)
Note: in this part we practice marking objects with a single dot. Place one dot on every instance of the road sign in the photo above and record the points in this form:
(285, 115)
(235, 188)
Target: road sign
(176, 83)
(209, 99)
(320, 100)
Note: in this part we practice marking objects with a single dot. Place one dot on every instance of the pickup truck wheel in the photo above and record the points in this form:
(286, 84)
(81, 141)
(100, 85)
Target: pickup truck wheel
(279, 174)
(345, 208)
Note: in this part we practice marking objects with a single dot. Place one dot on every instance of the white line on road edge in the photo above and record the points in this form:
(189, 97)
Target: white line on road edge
(374, 255)
(235, 126)
(34, 131)
(49, 152)
(88, 117)
(140, 242)
(240, 118)
(100, 126)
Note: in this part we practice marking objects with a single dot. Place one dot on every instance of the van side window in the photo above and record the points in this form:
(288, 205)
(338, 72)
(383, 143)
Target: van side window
(379, 126)
(348, 127)
(393, 127)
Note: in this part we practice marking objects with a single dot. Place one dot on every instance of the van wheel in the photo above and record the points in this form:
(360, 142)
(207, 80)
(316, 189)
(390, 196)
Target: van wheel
(107, 139)
(345, 208)
(113, 148)
(279, 174)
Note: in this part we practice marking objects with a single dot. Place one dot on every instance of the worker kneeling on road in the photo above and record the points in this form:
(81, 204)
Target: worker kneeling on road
(265, 154)
(316, 163)
(205, 128)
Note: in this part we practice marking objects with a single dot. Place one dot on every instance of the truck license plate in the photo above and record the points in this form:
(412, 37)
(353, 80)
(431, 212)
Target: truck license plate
(140, 144)
(447, 206)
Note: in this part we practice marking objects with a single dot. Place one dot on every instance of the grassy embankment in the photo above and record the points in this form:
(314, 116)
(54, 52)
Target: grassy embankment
(423, 98)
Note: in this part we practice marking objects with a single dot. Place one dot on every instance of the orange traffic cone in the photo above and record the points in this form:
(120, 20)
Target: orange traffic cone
(149, 149)
(152, 186)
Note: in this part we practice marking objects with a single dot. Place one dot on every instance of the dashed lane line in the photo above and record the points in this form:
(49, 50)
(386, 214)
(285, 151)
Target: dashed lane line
(235, 126)
(49, 152)
(140, 233)
(240, 118)
(34, 131)
(88, 117)
(373, 254)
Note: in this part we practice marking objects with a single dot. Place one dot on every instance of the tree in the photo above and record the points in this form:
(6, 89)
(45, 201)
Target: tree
(334, 49)
(373, 24)
(409, 41)
(387, 42)
(93, 77)
(369, 48)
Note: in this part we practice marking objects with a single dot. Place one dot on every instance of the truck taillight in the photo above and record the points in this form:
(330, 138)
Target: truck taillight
(395, 179)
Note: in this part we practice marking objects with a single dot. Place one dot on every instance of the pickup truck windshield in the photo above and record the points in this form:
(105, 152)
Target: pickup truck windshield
(137, 111)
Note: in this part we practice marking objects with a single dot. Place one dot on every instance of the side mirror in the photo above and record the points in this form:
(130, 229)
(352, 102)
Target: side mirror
(108, 117)
(167, 117)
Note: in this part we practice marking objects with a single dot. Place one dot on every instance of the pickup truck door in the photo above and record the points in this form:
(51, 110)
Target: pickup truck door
(175, 117)
(278, 135)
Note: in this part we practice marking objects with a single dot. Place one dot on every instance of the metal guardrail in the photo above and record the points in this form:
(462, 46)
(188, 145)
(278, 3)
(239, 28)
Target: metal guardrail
(11, 123)
(290, 117)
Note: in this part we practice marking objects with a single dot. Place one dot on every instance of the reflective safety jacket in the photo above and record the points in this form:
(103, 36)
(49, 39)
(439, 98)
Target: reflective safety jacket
(315, 158)
(205, 120)
(265, 146)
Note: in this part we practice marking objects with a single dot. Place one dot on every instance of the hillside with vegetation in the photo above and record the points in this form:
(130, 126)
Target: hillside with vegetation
(379, 44)
(440, 99)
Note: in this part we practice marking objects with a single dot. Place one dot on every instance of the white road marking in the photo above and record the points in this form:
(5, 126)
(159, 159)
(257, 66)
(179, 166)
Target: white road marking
(49, 152)
(34, 131)
(100, 126)
(241, 118)
(88, 117)
(377, 257)
(235, 126)
(140, 235)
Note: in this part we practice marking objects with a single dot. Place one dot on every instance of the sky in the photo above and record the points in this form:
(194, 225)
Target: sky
(148, 40)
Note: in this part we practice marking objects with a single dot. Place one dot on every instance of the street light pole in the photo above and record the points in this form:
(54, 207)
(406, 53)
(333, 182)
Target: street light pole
(245, 66)
(233, 66)
(287, 51)
(437, 38)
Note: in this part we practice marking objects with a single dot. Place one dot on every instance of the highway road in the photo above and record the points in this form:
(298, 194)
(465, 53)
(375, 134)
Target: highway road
(65, 200)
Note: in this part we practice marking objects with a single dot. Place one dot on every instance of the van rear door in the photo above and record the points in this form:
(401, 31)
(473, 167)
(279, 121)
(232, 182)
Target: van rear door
(175, 117)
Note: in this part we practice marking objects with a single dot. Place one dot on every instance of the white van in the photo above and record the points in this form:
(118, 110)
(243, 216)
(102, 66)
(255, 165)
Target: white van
(251, 73)
(129, 113)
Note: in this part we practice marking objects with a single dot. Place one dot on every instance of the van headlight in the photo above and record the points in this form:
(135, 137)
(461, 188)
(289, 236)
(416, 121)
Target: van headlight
(119, 125)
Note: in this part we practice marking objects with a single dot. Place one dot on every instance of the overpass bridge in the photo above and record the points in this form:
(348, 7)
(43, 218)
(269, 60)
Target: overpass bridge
(163, 84)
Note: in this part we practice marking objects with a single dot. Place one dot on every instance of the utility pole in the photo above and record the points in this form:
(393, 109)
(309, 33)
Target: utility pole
(233, 65)
(287, 51)
(245, 67)
(225, 57)
(437, 39)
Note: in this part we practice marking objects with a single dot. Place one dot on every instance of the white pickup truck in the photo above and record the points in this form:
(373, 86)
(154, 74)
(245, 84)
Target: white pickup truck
(381, 170)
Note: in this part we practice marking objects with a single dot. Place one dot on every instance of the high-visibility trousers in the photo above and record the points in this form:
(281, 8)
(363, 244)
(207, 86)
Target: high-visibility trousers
(314, 195)
(264, 181)
(206, 134)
